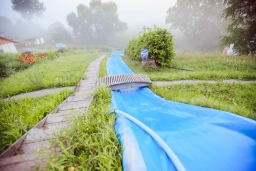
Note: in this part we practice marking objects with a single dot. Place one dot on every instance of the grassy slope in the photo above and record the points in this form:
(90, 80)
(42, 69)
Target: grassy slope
(60, 72)
(235, 98)
(18, 116)
(203, 66)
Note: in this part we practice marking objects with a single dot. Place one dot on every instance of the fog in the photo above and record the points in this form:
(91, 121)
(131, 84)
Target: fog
(136, 13)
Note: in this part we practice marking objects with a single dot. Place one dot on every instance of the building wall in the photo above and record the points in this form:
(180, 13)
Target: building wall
(8, 48)
(42, 40)
(3, 41)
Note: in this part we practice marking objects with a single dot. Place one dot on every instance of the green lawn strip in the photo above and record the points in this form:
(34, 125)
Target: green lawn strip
(10, 62)
(236, 98)
(64, 71)
(90, 142)
(18, 116)
(103, 68)
(200, 66)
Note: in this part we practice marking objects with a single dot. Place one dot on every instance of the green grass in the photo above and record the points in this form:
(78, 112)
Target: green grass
(18, 116)
(89, 143)
(103, 67)
(236, 98)
(64, 71)
(203, 66)
(10, 62)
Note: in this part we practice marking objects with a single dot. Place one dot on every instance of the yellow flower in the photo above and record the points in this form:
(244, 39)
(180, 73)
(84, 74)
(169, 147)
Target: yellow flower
(72, 168)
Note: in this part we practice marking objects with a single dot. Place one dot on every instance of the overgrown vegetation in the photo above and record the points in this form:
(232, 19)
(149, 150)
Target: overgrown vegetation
(235, 98)
(18, 116)
(159, 43)
(202, 66)
(10, 63)
(103, 67)
(89, 143)
(63, 71)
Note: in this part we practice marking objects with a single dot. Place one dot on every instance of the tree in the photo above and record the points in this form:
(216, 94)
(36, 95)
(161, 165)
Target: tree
(97, 22)
(200, 21)
(6, 26)
(242, 27)
(28, 8)
(59, 33)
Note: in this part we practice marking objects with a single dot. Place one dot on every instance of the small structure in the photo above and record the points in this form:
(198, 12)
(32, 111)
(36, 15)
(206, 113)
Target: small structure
(145, 61)
(7, 45)
(124, 81)
(61, 47)
(148, 62)
(33, 41)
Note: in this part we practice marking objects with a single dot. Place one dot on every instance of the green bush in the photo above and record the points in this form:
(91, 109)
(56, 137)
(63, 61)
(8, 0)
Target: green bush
(2, 68)
(159, 43)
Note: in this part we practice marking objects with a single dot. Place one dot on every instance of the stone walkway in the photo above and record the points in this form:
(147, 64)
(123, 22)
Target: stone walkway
(38, 137)
(40, 93)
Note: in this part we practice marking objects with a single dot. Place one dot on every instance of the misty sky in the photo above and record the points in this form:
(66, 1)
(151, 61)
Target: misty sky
(136, 13)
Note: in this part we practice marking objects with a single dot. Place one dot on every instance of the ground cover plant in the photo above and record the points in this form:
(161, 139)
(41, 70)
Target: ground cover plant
(90, 142)
(201, 66)
(236, 98)
(63, 71)
(18, 116)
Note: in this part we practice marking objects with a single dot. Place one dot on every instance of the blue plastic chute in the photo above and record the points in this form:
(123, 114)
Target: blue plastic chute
(198, 138)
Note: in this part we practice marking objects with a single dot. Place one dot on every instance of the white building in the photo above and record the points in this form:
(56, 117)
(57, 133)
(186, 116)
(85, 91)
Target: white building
(7, 45)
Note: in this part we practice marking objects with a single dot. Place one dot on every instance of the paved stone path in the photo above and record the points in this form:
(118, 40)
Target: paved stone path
(40, 93)
(38, 137)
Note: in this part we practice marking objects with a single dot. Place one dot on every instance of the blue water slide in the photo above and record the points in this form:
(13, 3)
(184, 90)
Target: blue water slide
(161, 135)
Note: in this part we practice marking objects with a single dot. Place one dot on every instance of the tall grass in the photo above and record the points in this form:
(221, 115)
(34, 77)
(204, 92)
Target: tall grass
(89, 143)
(18, 116)
(103, 68)
(204, 66)
(64, 71)
(236, 98)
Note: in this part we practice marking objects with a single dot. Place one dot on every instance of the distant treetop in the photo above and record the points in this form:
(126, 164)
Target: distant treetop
(28, 8)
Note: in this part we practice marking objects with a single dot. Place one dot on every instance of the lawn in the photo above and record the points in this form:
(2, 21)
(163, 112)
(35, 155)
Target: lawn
(63, 71)
(18, 116)
(236, 98)
(200, 66)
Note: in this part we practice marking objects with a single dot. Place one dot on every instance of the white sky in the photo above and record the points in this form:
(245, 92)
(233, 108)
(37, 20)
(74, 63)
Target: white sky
(136, 13)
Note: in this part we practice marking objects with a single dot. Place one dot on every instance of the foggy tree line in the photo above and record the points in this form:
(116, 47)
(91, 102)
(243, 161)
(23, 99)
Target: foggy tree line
(22, 30)
(209, 23)
(205, 24)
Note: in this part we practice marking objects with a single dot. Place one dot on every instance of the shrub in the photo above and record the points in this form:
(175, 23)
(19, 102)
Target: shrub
(159, 43)
(2, 69)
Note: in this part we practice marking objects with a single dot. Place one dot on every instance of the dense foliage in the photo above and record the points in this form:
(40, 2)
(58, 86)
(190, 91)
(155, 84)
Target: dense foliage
(200, 21)
(241, 30)
(159, 43)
